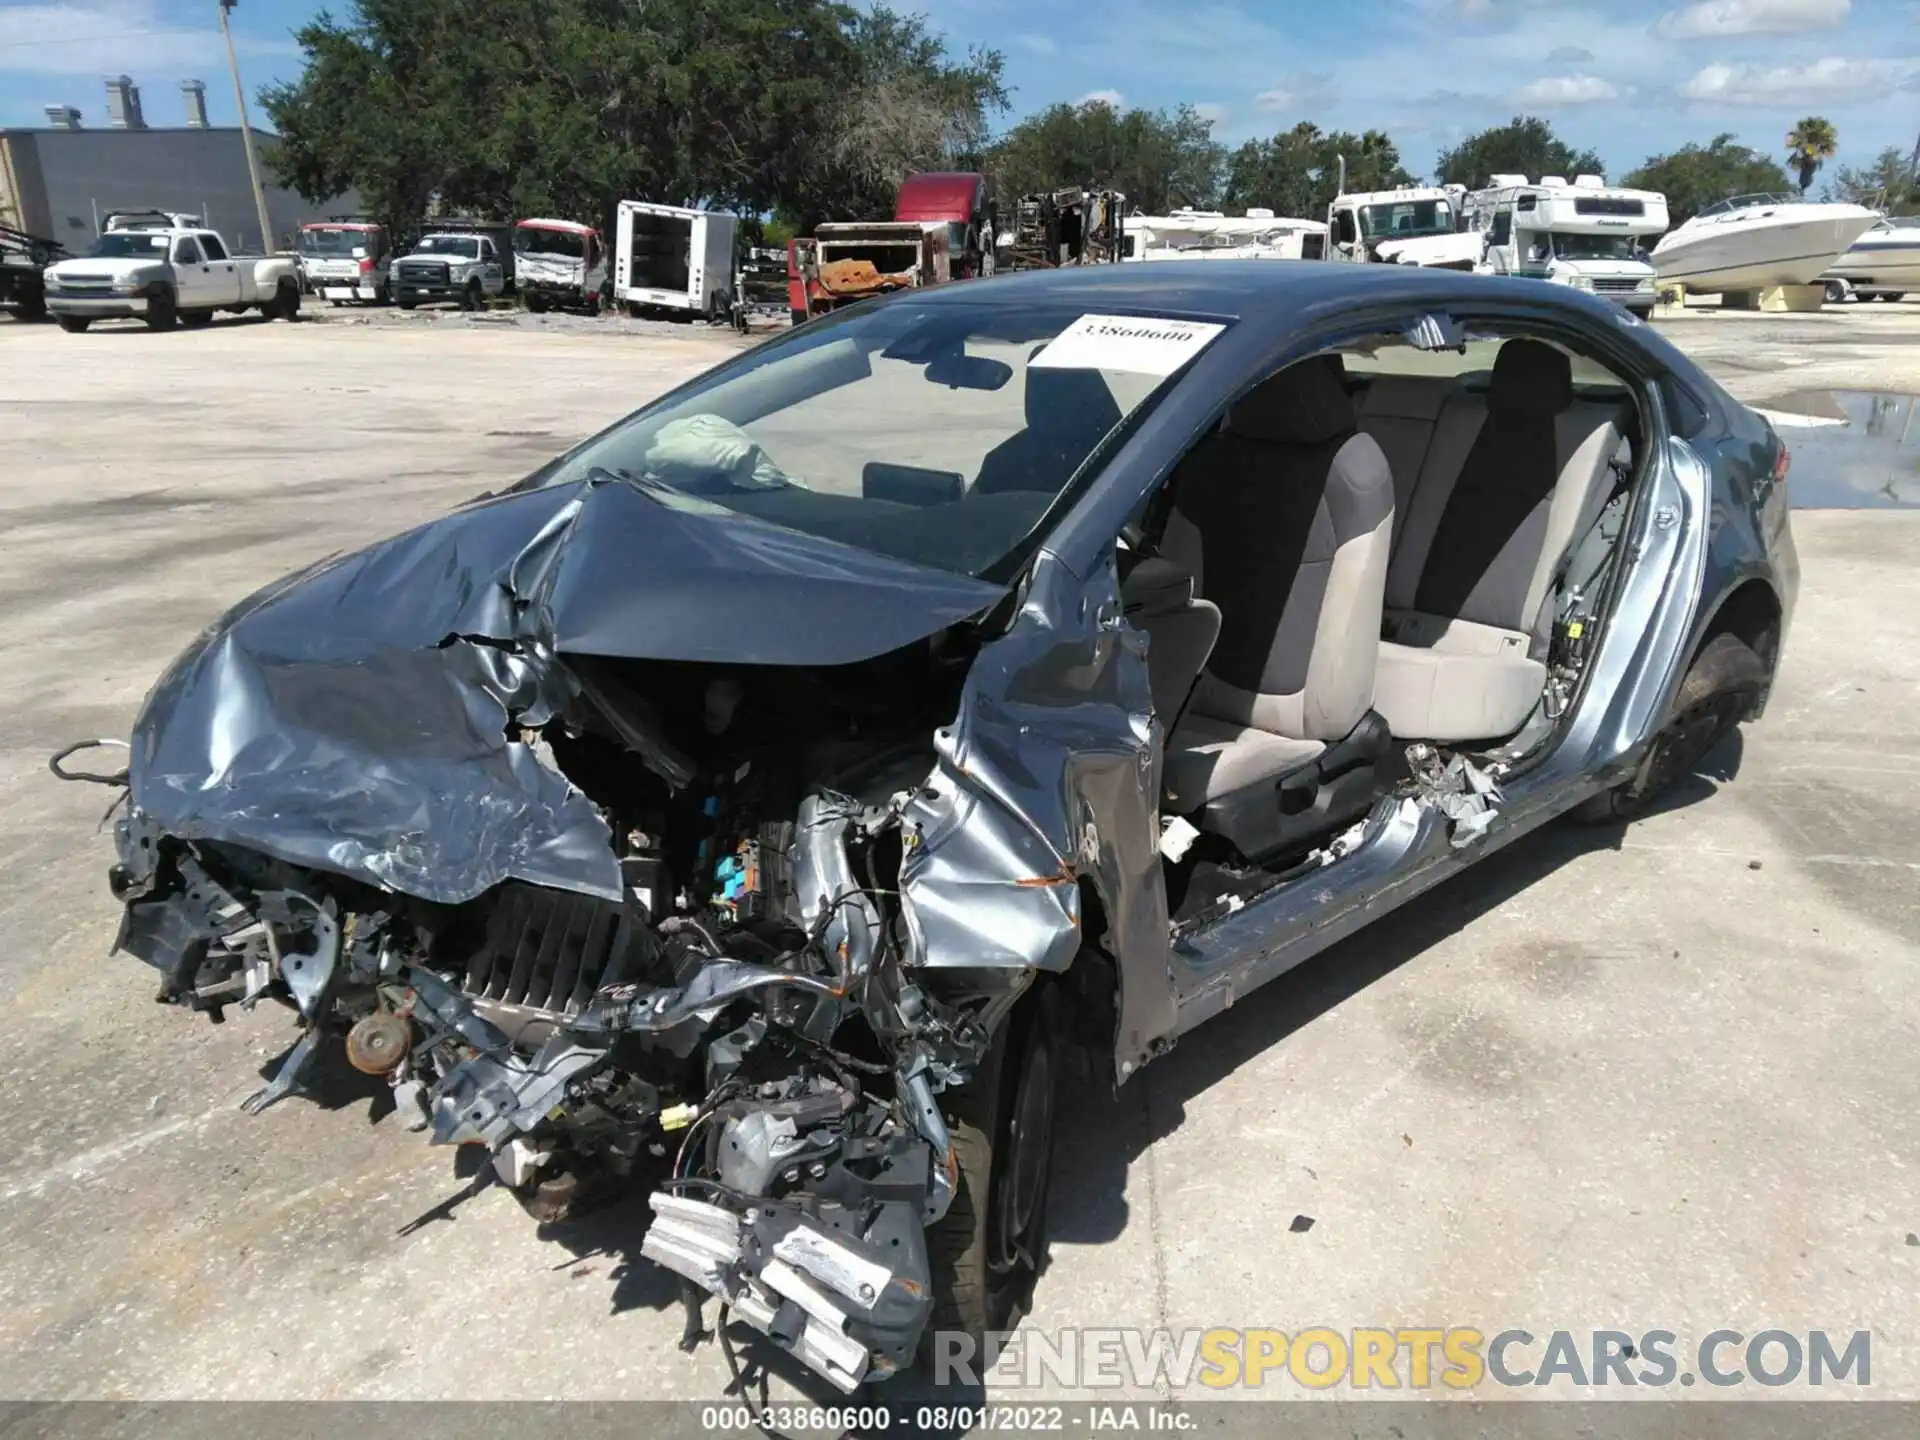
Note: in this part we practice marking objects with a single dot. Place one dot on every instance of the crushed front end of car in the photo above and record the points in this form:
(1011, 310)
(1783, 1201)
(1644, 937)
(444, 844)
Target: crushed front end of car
(588, 823)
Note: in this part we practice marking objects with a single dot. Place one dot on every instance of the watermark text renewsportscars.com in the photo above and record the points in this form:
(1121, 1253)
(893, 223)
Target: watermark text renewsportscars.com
(1403, 1358)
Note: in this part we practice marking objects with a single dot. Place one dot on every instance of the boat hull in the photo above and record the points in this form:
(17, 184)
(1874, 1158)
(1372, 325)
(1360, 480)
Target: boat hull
(1753, 255)
(1882, 264)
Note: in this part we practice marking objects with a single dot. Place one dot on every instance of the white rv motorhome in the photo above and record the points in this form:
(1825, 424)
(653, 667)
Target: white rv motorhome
(1211, 235)
(1414, 225)
(1587, 234)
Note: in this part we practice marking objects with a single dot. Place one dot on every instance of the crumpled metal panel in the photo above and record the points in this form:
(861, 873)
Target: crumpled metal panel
(1049, 775)
(355, 717)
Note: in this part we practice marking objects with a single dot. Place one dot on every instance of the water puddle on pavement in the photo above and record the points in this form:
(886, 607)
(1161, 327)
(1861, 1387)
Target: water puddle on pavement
(1852, 449)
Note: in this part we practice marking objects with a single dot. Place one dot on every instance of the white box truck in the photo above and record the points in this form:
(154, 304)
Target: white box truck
(674, 258)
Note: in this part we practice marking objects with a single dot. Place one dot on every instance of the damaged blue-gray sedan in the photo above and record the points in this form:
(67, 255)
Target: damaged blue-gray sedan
(759, 802)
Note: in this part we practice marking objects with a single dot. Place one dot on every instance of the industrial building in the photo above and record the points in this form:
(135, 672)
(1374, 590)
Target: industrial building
(60, 181)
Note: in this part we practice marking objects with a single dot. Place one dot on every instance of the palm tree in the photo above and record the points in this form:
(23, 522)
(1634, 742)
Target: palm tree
(1811, 144)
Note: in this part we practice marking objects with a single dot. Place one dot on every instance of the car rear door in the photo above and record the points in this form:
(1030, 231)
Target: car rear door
(222, 271)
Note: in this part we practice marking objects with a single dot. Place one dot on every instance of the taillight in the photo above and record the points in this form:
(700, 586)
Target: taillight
(1782, 461)
(366, 265)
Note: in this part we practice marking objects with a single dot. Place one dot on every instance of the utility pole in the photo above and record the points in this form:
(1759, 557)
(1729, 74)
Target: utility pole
(246, 133)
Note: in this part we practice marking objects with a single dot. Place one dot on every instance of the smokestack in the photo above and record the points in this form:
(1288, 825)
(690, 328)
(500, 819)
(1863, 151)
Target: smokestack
(63, 117)
(123, 104)
(194, 92)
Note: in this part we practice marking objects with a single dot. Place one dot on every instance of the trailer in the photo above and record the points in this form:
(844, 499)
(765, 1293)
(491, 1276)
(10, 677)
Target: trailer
(674, 258)
(844, 262)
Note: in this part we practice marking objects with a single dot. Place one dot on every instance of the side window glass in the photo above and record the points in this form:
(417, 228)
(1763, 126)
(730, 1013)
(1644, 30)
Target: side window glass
(1502, 228)
(211, 244)
(1343, 226)
(185, 251)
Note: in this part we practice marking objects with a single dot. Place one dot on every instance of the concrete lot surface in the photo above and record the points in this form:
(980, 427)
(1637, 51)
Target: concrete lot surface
(1654, 1078)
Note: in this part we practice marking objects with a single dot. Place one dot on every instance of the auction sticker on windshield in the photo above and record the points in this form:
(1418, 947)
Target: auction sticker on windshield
(1141, 344)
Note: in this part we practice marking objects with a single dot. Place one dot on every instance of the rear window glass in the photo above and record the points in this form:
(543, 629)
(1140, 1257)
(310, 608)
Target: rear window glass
(1473, 362)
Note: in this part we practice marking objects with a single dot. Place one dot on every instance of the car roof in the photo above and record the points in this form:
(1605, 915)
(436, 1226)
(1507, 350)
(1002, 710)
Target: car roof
(1235, 289)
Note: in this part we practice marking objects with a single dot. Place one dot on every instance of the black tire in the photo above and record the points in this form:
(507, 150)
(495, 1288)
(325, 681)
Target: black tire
(31, 305)
(406, 304)
(1836, 293)
(74, 324)
(1894, 297)
(162, 309)
(287, 306)
(194, 319)
(473, 298)
(536, 304)
(1719, 688)
(987, 1250)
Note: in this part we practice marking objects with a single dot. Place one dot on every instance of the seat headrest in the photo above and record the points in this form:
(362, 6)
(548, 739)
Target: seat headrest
(1305, 404)
(1530, 377)
(1074, 401)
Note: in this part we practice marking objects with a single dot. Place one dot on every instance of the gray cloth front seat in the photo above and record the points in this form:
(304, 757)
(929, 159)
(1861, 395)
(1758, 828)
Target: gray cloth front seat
(1283, 517)
(1503, 489)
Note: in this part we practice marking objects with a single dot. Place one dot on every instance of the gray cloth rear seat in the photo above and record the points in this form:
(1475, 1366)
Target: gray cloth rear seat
(1506, 483)
(1284, 518)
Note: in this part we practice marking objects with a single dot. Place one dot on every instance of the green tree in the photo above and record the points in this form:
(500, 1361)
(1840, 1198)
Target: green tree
(1696, 176)
(1810, 144)
(1160, 161)
(1887, 184)
(563, 107)
(1525, 145)
(1296, 173)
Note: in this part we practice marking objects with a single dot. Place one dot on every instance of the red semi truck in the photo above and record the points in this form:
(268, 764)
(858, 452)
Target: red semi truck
(942, 229)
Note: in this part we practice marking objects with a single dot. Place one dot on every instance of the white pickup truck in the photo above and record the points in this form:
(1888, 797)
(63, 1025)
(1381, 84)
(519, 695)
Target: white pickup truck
(167, 269)
(449, 265)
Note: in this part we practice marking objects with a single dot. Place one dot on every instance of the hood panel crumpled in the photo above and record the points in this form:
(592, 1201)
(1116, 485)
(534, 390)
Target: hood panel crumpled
(354, 717)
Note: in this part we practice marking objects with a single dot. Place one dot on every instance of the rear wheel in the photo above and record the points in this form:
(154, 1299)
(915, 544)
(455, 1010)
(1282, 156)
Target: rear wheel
(194, 319)
(74, 324)
(987, 1249)
(1894, 297)
(406, 304)
(1836, 292)
(1720, 687)
(536, 304)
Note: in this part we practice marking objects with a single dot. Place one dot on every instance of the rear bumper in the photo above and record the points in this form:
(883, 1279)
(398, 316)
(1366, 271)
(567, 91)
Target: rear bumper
(343, 290)
(105, 307)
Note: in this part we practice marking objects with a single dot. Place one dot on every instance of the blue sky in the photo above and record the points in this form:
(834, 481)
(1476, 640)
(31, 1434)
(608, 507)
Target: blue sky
(1627, 77)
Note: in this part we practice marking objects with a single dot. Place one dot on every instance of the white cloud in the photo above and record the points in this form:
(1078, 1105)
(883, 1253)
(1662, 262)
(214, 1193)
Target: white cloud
(1713, 18)
(1826, 81)
(1299, 91)
(1040, 44)
(1102, 97)
(1565, 90)
(111, 37)
(1214, 112)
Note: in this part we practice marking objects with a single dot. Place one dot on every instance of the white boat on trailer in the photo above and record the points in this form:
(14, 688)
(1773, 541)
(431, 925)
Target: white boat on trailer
(1884, 263)
(1754, 242)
